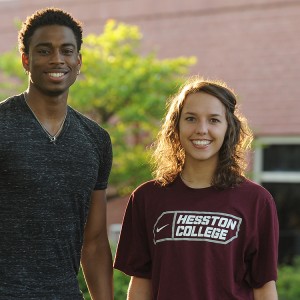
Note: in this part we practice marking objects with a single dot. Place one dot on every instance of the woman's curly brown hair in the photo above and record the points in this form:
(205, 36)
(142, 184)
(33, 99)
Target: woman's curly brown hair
(169, 156)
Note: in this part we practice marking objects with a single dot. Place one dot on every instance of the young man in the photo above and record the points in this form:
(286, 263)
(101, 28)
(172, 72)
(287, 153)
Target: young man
(54, 169)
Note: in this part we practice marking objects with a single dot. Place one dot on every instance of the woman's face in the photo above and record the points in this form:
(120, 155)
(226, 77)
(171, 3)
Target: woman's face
(202, 128)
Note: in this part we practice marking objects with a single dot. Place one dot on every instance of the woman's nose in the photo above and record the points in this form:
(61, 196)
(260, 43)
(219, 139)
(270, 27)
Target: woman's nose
(201, 128)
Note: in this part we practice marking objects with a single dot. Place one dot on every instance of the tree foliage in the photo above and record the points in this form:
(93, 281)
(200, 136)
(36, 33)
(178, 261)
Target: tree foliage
(288, 284)
(125, 91)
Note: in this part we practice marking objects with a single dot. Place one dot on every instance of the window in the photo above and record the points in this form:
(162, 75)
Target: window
(277, 168)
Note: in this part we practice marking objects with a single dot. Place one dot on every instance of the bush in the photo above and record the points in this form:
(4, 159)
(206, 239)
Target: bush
(288, 284)
(121, 282)
(83, 286)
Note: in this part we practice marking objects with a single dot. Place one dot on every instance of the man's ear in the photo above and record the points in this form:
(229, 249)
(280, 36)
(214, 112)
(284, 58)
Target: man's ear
(79, 60)
(25, 62)
(79, 63)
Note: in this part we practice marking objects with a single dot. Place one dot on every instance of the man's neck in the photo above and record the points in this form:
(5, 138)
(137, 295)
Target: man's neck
(50, 111)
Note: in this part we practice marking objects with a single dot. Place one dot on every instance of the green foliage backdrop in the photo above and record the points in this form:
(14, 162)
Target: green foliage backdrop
(127, 91)
(122, 89)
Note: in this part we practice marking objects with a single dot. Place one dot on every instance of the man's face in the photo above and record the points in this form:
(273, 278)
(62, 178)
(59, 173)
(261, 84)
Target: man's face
(53, 60)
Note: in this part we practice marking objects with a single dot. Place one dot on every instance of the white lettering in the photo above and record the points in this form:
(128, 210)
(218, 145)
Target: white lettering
(206, 220)
(231, 224)
(190, 219)
(214, 227)
(215, 233)
(223, 222)
(178, 231)
(208, 232)
(181, 219)
(200, 231)
(215, 218)
(223, 234)
(187, 230)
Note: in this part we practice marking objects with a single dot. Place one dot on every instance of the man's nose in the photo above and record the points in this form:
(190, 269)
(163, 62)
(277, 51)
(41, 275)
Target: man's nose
(57, 57)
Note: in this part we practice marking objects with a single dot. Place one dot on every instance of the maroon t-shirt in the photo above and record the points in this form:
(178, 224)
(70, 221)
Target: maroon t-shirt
(203, 244)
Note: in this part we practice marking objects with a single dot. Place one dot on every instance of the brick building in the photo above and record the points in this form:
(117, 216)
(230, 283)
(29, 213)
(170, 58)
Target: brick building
(253, 46)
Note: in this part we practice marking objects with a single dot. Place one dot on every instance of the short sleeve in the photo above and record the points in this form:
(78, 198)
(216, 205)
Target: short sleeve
(133, 254)
(265, 258)
(105, 161)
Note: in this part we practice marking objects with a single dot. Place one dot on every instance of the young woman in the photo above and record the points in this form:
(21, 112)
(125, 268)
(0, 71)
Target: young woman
(200, 230)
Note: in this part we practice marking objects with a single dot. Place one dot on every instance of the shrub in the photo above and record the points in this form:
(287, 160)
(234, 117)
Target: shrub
(288, 284)
(121, 282)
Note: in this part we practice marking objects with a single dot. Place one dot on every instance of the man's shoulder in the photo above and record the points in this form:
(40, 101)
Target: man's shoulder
(85, 120)
(87, 123)
(10, 107)
(10, 102)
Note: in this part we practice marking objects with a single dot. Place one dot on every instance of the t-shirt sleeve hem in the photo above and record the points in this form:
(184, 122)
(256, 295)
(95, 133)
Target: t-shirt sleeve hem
(100, 186)
(131, 272)
(258, 285)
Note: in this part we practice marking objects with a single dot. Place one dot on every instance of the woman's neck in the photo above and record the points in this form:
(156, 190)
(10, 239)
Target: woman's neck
(198, 175)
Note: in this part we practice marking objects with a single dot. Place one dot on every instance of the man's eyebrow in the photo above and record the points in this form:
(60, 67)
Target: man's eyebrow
(50, 45)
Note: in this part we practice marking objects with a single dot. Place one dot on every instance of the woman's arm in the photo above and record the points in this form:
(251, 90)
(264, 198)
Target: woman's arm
(139, 289)
(266, 292)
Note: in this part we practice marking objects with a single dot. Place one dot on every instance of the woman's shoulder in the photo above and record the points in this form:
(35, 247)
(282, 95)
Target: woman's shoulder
(254, 189)
(148, 186)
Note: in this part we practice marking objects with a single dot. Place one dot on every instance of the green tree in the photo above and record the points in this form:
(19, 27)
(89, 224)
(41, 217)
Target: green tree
(12, 76)
(127, 91)
(123, 89)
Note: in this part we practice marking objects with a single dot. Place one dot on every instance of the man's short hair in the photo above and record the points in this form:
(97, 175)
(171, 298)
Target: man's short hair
(46, 17)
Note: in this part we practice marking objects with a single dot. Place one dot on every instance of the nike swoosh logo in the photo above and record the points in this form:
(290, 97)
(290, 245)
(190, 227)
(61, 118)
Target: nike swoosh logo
(159, 229)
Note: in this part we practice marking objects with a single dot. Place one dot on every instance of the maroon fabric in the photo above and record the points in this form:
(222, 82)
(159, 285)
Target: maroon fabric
(200, 243)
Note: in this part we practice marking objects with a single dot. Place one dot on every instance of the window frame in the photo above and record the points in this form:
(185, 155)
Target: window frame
(259, 175)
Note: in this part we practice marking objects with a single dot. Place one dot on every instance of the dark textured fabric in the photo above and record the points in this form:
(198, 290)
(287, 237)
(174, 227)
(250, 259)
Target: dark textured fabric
(200, 243)
(45, 191)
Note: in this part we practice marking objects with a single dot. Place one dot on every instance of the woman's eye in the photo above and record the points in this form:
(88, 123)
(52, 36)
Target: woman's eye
(213, 120)
(190, 119)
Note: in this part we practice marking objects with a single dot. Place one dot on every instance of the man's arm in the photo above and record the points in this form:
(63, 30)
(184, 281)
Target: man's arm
(96, 257)
(266, 292)
(139, 289)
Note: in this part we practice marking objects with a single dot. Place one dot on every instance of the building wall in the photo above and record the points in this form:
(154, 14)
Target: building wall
(253, 47)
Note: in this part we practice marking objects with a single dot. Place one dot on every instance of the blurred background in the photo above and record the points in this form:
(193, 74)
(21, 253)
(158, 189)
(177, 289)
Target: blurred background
(136, 54)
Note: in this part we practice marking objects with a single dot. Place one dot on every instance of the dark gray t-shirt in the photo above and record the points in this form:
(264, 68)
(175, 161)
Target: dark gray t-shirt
(45, 191)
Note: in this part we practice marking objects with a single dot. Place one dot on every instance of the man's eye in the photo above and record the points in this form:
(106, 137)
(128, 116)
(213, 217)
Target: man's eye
(43, 51)
(68, 51)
